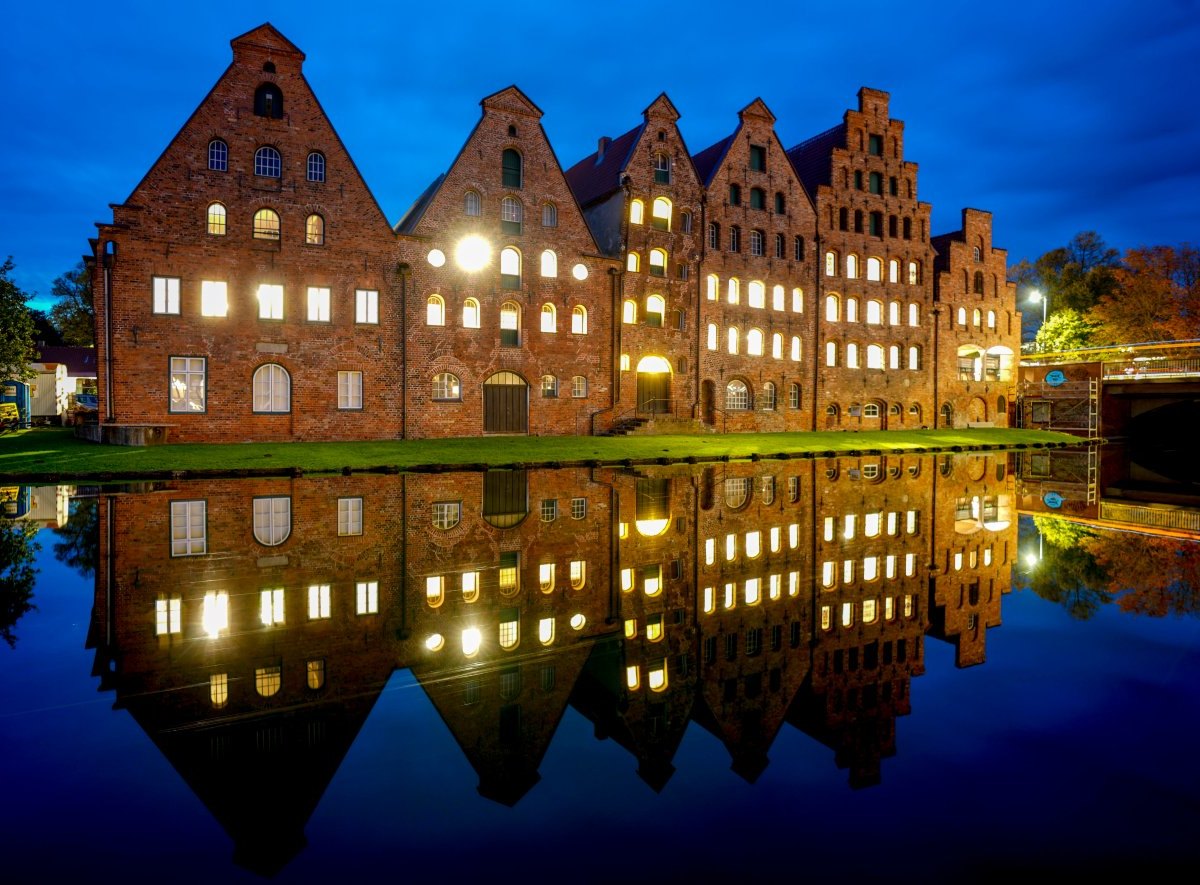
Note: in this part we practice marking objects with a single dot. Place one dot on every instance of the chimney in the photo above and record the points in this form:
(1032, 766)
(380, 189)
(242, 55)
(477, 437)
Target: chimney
(605, 141)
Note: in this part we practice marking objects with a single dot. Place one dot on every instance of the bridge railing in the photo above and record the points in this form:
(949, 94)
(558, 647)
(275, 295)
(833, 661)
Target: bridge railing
(1153, 367)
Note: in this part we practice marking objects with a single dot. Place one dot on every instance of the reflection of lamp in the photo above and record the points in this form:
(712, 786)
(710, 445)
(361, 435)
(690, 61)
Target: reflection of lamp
(1032, 559)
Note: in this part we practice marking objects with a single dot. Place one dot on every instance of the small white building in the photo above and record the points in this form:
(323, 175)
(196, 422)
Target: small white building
(50, 390)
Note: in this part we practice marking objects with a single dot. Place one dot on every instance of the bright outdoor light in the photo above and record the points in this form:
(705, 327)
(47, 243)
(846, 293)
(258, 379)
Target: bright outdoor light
(435, 642)
(470, 640)
(579, 272)
(1031, 559)
(473, 253)
(436, 257)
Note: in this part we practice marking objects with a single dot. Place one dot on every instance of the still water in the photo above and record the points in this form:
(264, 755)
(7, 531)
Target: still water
(919, 668)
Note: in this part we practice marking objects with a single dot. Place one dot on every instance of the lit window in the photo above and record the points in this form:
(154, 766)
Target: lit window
(314, 230)
(267, 162)
(266, 224)
(828, 574)
(509, 629)
(549, 387)
(166, 295)
(366, 600)
(268, 680)
(549, 318)
(510, 268)
(711, 286)
(435, 590)
(777, 346)
(660, 214)
(546, 577)
(874, 266)
(658, 263)
(795, 354)
(637, 212)
(656, 307)
(753, 591)
(712, 336)
(217, 218)
(435, 311)
(470, 586)
(471, 640)
(189, 528)
(270, 302)
(446, 387)
(168, 615)
(214, 616)
(272, 520)
(578, 574)
(470, 318)
(914, 273)
(188, 384)
(831, 264)
(218, 689)
(652, 580)
(272, 389)
(446, 514)
(754, 342)
(546, 631)
(549, 263)
(579, 320)
(316, 166)
(366, 306)
(318, 304)
(733, 291)
(633, 262)
(271, 607)
(737, 396)
(852, 310)
(349, 390)
(580, 272)
(218, 155)
(710, 600)
(732, 337)
(315, 673)
(632, 678)
(350, 516)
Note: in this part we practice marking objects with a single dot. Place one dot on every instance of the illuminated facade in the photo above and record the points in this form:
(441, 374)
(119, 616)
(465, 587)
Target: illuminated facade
(251, 288)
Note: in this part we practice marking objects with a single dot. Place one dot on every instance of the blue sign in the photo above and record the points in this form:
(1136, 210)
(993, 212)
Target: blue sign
(1055, 378)
(1052, 500)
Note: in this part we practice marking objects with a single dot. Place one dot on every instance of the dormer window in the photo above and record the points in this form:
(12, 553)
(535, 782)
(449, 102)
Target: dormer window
(268, 101)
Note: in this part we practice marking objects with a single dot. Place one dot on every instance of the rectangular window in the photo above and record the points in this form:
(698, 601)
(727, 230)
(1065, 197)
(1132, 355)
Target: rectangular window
(318, 304)
(350, 390)
(270, 302)
(318, 602)
(367, 601)
(188, 385)
(168, 614)
(271, 606)
(875, 145)
(189, 528)
(214, 298)
(446, 514)
(166, 295)
(366, 306)
(578, 508)
(350, 512)
(758, 158)
(549, 510)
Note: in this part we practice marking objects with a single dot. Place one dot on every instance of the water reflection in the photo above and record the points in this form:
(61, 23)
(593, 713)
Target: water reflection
(249, 626)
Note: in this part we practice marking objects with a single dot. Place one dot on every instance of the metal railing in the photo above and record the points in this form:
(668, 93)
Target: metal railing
(1153, 367)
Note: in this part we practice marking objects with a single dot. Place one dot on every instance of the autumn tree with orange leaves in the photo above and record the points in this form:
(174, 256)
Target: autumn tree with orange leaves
(1157, 298)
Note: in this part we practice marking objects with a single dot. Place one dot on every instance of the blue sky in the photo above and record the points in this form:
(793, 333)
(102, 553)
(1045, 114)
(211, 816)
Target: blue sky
(1056, 116)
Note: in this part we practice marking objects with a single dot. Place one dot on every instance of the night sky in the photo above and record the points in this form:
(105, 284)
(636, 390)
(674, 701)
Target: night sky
(1058, 117)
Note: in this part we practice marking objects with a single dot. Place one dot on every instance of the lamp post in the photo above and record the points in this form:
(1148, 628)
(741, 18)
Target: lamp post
(1035, 296)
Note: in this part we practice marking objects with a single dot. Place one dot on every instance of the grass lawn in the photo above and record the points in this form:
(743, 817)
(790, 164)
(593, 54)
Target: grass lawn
(55, 454)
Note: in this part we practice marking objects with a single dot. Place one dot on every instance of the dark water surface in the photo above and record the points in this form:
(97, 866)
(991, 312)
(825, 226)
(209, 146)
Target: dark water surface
(722, 676)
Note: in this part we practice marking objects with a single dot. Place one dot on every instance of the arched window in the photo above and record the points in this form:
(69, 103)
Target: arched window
(579, 320)
(852, 266)
(894, 313)
(446, 388)
(914, 357)
(735, 238)
(831, 353)
(991, 319)
(777, 346)
(778, 298)
(833, 308)
(733, 291)
(549, 318)
(658, 263)
(472, 204)
(754, 342)
(962, 316)
(637, 212)
(268, 101)
(218, 155)
(512, 215)
(314, 230)
(578, 386)
(874, 270)
(272, 389)
(712, 336)
(852, 310)
(714, 236)
(976, 317)
(914, 273)
(767, 402)
(780, 246)
(851, 355)
(510, 324)
(272, 520)
(470, 319)
(947, 412)
(510, 268)
(874, 312)
(831, 264)
(656, 307)
(756, 294)
(549, 387)
(712, 287)
(660, 214)
(914, 314)
(549, 215)
(549, 263)
(266, 224)
(629, 311)
(731, 337)
(871, 410)
(735, 195)
(893, 271)
(267, 162)
(633, 262)
(780, 203)
(662, 169)
(685, 221)
(757, 242)
(978, 281)
(894, 357)
(435, 311)
(510, 168)
(737, 396)
(316, 166)
(758, 199)
(874, 356)
(795, 348)
(217, 218)
(797, 301)
(794, 403)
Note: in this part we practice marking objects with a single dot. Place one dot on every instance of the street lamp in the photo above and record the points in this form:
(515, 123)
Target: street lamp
(1035, 296)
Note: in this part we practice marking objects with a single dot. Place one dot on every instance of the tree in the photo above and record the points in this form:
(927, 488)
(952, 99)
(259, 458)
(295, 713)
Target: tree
(1152, 576)
(1066, 329)
(1157, 297)
(16, 327)
(73, 314)
(17, 549)
(79, 546)
(1074, 276)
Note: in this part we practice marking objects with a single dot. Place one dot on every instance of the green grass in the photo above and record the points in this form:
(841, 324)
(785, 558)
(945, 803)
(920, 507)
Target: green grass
(55, 454)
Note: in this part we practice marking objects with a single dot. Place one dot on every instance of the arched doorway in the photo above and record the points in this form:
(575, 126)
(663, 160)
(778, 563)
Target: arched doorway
(708, 402)
(653, 385)
(505, 404)
(976, 411)
(947, 415)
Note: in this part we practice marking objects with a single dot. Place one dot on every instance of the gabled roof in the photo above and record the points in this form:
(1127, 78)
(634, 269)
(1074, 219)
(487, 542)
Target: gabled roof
(812, 158)
(416, 211)
(708, 161)
(512, 100)
(266, 36)
(597, 176)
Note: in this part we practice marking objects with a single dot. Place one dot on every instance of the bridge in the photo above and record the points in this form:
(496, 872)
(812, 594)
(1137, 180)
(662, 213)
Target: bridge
(1138, 389)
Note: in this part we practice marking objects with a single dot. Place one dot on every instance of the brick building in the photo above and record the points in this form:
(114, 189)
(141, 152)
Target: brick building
(251, 288)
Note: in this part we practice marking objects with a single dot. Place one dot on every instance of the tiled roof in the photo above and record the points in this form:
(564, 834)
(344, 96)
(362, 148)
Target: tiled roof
(408, 223)
(80, 361)
(589, 180)
(941, 247)
(811, 158)
(709, 160)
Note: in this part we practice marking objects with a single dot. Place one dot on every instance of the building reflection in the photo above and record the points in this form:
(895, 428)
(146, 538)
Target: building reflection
(249, 626)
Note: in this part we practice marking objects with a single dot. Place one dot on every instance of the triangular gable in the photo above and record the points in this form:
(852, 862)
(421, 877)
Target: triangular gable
(266, 36)
(511, 100)
(662, 106)
(757, 109)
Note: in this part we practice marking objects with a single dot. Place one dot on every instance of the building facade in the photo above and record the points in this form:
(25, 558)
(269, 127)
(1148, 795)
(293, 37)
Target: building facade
(251, 287)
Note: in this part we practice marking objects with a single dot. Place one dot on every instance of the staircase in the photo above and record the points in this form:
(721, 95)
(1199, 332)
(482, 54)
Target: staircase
(625, 427)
